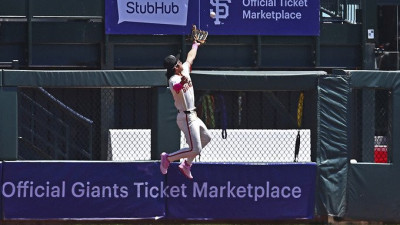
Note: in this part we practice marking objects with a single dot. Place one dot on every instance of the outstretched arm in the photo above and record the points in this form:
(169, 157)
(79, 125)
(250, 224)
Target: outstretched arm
(192, 53)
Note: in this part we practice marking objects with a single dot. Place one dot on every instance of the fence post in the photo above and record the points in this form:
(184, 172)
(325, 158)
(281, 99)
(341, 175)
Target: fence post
(107, 118)
(368, 124)
(8, 123)
(368, 22)
(165, 134)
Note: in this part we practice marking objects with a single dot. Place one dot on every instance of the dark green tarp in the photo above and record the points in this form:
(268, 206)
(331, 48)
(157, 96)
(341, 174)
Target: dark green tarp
(332, 144)
(87, 78)
(211, 80)
(373, 188)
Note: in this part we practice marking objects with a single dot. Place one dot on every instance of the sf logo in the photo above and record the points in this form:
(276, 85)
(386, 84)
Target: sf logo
(221, 10)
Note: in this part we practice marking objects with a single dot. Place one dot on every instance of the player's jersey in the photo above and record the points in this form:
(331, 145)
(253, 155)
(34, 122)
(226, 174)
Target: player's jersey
(184, 99)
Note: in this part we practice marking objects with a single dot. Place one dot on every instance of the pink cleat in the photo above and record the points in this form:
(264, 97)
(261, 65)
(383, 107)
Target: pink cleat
(164, 163)
(184, 167)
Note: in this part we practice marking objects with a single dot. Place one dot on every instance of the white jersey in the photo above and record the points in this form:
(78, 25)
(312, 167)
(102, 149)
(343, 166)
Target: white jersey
(196, 132)
(184, 99)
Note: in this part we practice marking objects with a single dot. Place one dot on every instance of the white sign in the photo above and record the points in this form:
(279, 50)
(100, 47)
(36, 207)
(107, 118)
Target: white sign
(371, 34)
(172, 12)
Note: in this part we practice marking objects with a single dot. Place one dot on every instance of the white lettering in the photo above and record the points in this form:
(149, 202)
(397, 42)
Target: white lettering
(249, 191)
(274, 15)
(80, 189)
(28, 189)
(259, 3)
(294, 3)
(11, 187)
(287, 195)
(151, 8)
(144, 189)
(213, 192)
(152, 194)
(259, 192)
(77, 190)
(175, 191)
(37, 189)
(153, 11)
(296, 192)
(197, 192)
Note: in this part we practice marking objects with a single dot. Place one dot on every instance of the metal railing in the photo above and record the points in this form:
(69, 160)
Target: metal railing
(340, 11)
(50, 130)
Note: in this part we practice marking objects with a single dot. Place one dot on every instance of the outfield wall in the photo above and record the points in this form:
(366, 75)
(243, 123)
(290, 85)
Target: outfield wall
(124, 191)
(365, 190)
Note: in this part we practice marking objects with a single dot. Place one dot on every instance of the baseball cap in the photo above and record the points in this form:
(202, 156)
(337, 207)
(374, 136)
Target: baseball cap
(170, 61)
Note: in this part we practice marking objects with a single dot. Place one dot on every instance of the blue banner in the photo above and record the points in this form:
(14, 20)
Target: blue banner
(1, 205)
(102, 190)
(231, 17)
(79, 190)
(240, 191)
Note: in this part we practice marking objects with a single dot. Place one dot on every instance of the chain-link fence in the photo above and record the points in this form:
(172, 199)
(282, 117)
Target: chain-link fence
(115, 124)
(129, 144)
(48, 129)
(254, 126)
(75, 123)
(372, 125)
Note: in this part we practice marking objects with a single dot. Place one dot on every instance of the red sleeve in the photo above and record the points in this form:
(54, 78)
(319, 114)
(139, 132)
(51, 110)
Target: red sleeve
(177, 87)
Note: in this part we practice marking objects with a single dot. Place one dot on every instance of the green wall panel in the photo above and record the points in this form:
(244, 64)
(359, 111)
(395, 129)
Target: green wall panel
(13, 7)
(14, 52)
(13, 32)
(68, 8)
(277, 56)
(223, 56)
(8, 123)
(48, 26)
(343, 56)
(336, 33)
(83, 78)
(66, 54)
(142, 55)
(165, 135)
(67, 32)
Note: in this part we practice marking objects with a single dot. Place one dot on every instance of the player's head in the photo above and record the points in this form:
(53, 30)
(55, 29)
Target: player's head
(171, 63)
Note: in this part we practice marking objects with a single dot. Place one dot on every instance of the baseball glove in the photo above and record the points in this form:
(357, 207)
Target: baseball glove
(199, 36)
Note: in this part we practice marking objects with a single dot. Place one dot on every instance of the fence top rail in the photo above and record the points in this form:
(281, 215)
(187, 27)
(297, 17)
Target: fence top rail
(258, 73)
(257, 80)
(83, 78)
(371, 78)
(204, 79)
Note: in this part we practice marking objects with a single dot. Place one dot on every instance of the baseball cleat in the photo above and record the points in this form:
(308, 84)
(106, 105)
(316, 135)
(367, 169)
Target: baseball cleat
(184, 167)
(164, 163)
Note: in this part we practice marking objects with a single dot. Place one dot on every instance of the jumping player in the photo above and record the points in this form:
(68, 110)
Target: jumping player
(196, 132)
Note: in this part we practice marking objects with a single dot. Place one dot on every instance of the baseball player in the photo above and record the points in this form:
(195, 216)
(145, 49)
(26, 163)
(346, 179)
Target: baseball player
(196, 132)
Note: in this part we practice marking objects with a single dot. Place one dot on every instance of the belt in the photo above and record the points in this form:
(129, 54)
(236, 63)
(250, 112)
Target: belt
(187, 112)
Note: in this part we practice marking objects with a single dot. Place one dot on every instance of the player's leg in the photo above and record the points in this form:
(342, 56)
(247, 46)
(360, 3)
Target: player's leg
(195, 140)
(205, 137)
(181, 153)
(204, 134)
(192, 135)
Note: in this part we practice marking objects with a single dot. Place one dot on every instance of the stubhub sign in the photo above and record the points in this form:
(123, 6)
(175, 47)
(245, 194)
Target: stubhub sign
(153, 11)
(109, 190)
(232, 17)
